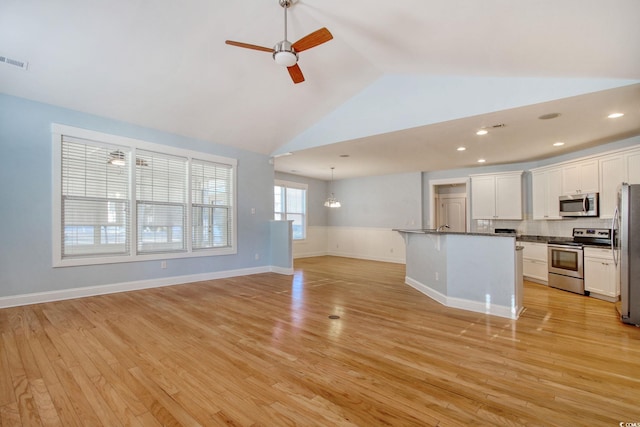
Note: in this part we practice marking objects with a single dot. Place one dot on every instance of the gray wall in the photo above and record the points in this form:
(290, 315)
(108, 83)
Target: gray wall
(388, 201)
(26, 207)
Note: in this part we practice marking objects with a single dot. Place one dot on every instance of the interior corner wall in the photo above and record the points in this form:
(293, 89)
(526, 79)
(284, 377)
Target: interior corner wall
(26, 208)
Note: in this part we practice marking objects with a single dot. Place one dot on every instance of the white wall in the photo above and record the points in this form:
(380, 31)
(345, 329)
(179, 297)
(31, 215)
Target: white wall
(378, 244)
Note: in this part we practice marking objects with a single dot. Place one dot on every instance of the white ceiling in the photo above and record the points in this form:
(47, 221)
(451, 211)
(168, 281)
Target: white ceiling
(163, 64)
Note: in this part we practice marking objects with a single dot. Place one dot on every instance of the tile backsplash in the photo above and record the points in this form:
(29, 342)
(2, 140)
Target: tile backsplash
(555, 228)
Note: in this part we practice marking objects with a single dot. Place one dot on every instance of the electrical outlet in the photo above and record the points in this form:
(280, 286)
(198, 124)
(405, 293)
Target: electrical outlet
(437, 276)
(253, 211)
(257, 256)
(163, 264)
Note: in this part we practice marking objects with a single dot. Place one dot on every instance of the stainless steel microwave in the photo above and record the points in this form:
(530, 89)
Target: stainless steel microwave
(579, 205)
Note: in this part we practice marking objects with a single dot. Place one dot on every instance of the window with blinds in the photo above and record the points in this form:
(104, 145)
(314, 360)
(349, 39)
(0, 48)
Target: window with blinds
(95, 199)
(118, 199)
(290, 203)
(161, 202)
(210, 204)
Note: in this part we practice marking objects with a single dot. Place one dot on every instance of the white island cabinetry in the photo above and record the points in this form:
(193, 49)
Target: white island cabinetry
(472, 271)
(497, 196)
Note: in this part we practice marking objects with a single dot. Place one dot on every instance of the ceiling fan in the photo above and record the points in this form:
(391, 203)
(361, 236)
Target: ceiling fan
(284, 52)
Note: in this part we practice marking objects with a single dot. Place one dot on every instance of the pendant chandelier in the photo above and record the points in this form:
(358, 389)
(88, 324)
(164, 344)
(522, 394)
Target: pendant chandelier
(331, 201)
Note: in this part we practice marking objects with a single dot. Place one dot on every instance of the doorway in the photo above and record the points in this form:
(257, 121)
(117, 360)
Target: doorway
(452, 211)
(449, 204)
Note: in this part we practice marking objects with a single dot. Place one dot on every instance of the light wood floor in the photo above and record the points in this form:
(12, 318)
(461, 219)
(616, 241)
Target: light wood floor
(262, 350)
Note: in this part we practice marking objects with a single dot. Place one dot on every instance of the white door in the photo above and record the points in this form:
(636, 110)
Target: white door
(452, 211)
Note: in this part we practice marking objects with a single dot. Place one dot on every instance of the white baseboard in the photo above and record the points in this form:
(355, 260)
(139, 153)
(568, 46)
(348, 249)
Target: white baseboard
(475, 306)
(64, 294)
(287, 271)
(310, 254)
(366, 257)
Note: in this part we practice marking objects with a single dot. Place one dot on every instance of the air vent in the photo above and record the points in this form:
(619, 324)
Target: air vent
(16, 63)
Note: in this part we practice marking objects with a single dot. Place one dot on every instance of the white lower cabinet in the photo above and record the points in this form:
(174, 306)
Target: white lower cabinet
(534, 261)
(601, 277)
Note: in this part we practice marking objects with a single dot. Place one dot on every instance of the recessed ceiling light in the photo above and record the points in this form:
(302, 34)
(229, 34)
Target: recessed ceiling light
(549, 116)
(461, 148)
(615, 115)
(481, 160)
(289, 153)
(482, 132)
(558, 144)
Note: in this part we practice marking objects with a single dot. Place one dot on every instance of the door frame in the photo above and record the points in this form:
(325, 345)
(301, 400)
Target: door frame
(433, 198)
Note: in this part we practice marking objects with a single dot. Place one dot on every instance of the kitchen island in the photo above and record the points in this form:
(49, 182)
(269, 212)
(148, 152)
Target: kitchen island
(472, 271)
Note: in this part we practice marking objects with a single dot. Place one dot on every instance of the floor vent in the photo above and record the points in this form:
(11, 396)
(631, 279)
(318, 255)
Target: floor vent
(16, 63)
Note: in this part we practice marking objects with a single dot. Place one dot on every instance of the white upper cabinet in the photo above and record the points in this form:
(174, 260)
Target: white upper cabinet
(633, 167)
(496, 196)
(614, 170)
(580, 177)
(546, 188)
(612, 174)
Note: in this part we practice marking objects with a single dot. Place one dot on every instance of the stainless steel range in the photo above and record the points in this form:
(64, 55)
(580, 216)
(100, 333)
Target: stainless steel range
(566, 257)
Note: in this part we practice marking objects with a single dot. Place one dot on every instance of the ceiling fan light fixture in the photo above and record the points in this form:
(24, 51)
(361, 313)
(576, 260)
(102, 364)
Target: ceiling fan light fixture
(285, 58)
(117, 158)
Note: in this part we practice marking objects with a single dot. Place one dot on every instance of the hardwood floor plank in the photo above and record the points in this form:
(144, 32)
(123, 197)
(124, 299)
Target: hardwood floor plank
(7, 396)
(10, 416)
(44, 404)
(69, 394)
(260, 350)
(179, 416)
(64, 407)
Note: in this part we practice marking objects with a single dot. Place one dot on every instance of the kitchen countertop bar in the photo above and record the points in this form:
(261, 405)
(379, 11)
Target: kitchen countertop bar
(472, 271)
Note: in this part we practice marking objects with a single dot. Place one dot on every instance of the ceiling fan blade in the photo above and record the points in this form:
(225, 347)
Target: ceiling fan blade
(296, 73)
(249, 46)
(312, 40)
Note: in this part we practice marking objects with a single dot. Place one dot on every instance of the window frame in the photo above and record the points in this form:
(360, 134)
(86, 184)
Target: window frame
(58, 131)
(297, 186)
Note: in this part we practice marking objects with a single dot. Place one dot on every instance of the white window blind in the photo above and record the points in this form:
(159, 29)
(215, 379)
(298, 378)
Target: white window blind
(161, 202)
(119, 199)
(211, 204)
(95, 199)
(290, 203)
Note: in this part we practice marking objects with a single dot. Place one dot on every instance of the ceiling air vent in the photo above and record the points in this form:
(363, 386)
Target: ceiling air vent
(16, 63)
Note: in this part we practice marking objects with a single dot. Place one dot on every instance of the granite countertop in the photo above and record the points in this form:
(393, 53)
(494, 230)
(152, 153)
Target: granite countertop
(542, 239)
(433, 231)
(519, 237)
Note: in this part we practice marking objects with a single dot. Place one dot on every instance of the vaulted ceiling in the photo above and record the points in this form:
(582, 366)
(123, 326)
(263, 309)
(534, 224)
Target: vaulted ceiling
(400, 86)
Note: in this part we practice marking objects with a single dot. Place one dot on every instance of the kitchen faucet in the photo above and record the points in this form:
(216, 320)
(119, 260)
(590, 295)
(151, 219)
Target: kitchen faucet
(442, 227)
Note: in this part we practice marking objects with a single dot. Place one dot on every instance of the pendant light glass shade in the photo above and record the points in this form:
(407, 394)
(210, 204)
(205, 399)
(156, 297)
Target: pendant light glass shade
(331, 201)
